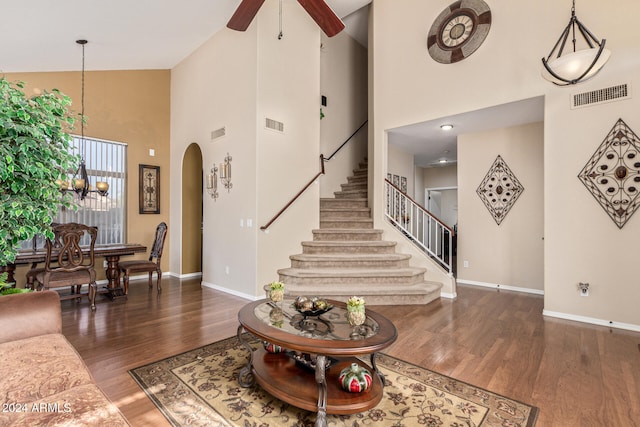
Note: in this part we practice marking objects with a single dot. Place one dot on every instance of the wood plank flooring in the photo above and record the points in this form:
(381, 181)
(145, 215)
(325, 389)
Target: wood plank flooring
(577, 374)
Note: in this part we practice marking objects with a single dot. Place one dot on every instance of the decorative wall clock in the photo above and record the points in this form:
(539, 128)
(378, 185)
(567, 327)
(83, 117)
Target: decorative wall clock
(499, 190)
(459, 31)
(612, 174)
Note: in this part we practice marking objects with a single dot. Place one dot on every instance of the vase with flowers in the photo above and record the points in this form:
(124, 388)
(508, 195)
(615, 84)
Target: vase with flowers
(276, 291)
(355, 311)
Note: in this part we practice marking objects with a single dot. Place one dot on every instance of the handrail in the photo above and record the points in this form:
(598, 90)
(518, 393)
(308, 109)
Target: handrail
(345, 143)
(264, 227)
(423, 208)
(424, 229)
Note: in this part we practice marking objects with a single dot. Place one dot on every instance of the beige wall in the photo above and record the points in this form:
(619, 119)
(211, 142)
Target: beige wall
(236, 80)
(511, 253)
(579, 236)
(124, 106)
(441, 177)
(343, 80)
(401, 164)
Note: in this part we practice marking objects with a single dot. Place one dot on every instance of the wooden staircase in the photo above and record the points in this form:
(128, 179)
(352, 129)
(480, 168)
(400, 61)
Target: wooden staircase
(348, 256)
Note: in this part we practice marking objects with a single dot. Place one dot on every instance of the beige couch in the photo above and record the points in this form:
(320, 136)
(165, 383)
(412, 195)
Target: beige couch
(43, 380)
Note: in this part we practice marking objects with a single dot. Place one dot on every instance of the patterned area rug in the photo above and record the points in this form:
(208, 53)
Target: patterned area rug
(200, 388)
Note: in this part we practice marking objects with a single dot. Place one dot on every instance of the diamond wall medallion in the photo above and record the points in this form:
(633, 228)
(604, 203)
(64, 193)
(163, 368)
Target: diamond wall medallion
(612, 174)
(499, 190)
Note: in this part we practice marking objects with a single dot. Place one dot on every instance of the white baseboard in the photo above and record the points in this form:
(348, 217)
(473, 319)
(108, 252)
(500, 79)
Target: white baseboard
(186, 276)
(592, 320)
(448, 295)
(498, 286)
(230, 291)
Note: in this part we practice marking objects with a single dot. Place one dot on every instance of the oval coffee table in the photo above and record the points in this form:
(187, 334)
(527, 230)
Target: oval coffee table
(317, 349)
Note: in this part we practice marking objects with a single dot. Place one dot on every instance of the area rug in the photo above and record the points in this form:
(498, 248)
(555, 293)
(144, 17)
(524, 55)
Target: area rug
(200, 388)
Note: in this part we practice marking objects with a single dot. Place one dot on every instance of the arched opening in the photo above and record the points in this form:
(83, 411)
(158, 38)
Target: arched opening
(192, 211)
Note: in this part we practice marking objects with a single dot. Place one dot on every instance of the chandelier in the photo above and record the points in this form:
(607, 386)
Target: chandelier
(578, 65)
(80, 182)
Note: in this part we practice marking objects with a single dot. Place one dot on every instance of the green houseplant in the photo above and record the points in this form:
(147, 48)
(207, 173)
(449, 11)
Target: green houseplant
(34, 154)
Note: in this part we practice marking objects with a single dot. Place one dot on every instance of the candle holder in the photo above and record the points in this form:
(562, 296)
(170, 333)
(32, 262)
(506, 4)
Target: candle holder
(212, 183)
(225, 172)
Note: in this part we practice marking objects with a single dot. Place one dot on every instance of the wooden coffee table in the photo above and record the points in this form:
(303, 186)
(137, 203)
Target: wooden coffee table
(317, 349)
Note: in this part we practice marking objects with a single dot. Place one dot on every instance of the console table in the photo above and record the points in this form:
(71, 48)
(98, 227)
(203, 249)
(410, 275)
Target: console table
(318, 349)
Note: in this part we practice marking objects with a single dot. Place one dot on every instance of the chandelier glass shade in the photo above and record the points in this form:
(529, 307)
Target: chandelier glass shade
(577, 65)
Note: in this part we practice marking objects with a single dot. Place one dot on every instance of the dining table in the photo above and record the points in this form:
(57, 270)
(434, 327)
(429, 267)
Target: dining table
(110, 252)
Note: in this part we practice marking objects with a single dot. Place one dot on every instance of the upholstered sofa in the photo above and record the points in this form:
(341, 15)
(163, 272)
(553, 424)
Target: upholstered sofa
(43, 380)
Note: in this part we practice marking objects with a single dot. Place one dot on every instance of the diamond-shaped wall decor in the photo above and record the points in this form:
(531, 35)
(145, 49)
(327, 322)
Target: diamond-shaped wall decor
(612, 174)
(499, 190)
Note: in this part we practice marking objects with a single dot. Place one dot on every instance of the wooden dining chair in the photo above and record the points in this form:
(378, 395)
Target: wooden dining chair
(69, 261)
(149, 266)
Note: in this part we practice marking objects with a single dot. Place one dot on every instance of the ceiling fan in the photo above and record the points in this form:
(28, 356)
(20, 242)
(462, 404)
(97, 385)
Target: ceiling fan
(320, 11)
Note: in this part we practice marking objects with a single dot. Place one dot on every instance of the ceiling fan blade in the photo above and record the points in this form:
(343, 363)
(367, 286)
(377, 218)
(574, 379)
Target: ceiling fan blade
(244, 14)
(326, 19)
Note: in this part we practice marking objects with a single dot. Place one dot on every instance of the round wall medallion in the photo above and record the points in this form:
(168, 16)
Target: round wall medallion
(459, 31)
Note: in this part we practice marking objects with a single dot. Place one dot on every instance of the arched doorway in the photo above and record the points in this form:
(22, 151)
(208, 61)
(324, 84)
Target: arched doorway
(192, 211)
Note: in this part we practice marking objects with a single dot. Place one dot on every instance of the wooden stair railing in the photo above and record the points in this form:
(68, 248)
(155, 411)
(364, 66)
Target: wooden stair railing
(322, 160)
(272, 220)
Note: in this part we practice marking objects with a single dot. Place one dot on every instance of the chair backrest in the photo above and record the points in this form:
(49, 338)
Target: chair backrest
(66, 252)
(158, 243)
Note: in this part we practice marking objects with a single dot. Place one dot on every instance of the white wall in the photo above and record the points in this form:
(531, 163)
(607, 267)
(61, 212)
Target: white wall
(581, 242)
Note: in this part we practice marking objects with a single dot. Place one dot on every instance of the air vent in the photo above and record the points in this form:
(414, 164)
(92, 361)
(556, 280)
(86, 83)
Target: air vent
(274, 125)
(601, 96)
(218, 133)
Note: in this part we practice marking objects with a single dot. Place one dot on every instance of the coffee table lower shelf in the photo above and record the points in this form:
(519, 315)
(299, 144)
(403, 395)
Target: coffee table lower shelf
(281, 376)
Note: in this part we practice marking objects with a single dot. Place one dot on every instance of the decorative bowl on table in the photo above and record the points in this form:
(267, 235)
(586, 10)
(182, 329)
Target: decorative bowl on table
(311, 306)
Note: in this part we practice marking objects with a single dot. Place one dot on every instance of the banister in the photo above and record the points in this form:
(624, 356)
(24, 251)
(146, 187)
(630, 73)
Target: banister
(345, 142)
(438, 220)
(264, 227)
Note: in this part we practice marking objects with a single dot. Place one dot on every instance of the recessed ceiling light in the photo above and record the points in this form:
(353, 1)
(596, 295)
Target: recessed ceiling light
(443, 161)
(446, 127)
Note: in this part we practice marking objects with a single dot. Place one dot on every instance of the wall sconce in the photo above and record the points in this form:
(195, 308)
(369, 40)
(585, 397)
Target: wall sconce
(225, 173)
(212, 183)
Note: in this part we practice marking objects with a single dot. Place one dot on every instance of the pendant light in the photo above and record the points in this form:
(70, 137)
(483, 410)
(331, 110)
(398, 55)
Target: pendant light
(81, 180)
(578, 65)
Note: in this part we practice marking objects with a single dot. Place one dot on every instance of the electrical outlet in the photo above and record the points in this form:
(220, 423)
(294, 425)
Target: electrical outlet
(226, 269)
(583, 289)
(465, 264)
(584, 292)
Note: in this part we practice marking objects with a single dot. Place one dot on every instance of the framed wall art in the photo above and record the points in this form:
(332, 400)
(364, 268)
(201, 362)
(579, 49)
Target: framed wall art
(149, 189)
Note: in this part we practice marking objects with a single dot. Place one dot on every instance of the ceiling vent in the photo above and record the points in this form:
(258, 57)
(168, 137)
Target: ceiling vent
(601, 96)
(274, 125)
(218, 133)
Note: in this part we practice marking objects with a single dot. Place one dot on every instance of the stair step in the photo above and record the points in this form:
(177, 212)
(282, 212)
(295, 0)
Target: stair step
(346, 223)
(349, 212)
(350, 234)
(373, 293)
(348, 276)
(354, 186)
(357, 179)
(349, 247)
(351, 194)
(344, 203)
(332, 261)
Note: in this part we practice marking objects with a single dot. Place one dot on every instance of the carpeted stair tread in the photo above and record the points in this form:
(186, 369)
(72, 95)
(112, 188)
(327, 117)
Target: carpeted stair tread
(347, 234)
(352, 272)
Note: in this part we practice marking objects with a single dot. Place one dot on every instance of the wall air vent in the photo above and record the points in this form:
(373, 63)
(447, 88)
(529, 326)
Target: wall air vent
(601, 96)
(274, 125)
(218, 133)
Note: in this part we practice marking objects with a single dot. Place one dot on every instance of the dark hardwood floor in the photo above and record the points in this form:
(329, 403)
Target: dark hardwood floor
(577, 374)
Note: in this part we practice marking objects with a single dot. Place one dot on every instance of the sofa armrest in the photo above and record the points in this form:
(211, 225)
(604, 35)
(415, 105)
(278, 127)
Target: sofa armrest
(29, 315)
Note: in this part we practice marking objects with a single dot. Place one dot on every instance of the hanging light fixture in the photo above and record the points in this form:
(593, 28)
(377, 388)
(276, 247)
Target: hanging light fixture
(578, 65)
(80, 181)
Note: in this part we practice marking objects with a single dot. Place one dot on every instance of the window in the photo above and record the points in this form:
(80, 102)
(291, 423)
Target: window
(105, 161)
